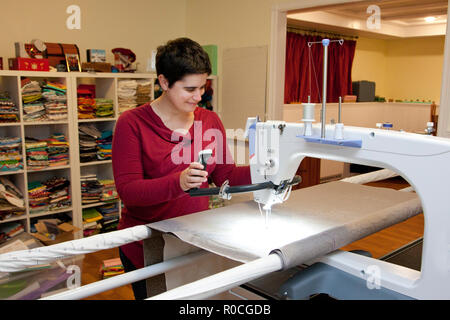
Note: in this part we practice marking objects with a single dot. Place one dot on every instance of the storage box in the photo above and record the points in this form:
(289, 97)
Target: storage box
(56, 52)
(66, 233)
(349, 98)
(364, 90)
(28, 64)
(96, 67)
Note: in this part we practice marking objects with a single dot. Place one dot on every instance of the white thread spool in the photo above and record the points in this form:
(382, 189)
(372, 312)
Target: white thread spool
(308, 117)
(339, 131)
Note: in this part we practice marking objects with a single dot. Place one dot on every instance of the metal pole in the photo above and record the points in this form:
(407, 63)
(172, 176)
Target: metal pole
(225, 280)
(129, 277)
(325, 43)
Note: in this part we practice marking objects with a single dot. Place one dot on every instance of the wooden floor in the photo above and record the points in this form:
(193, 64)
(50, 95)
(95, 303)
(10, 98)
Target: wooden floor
(378, 244)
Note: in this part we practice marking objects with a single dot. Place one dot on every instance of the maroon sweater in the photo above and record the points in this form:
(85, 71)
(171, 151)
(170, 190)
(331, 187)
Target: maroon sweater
(146, 158)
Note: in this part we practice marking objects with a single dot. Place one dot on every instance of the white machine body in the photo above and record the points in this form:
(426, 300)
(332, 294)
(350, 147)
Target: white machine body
(422, 160)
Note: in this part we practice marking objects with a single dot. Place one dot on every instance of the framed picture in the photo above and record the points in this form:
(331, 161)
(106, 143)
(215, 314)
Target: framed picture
(73, 62)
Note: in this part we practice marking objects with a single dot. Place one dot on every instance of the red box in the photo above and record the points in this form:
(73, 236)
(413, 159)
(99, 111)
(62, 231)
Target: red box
(27, 64)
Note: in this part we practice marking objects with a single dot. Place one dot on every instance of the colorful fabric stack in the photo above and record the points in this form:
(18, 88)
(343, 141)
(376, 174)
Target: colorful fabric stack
(109, 192)
(126, 93)
(91, 189)
(38, 197)
(111, 268)
(8, 109)
(11, 229)
(37, 155)
(104, 145)
(11, 200)
(88, 135)
(50, 152)
(58, 150)
(143, 91)
(110, 213)
(55, 98)
(11, 154)
(86, 108)
(33, 105)
(58, 189)
(104, 108)
(91, 225)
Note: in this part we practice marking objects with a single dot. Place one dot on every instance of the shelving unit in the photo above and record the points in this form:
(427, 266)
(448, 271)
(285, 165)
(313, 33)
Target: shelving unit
(106, 85)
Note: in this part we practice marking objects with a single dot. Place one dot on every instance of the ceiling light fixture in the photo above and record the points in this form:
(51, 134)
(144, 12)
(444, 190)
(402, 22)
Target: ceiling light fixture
(430, 19)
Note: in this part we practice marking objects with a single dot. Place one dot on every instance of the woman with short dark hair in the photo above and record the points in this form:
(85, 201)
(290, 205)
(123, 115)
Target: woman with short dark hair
(156, 145)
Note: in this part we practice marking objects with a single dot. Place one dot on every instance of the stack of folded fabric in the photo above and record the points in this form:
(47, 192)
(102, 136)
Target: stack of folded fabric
(143, 91)
(104, 108)
(88, 135)
(54, 94)
(50, 152)
(38, 197)
(58, 189)
(126, 93)
(58, 150)
(91, 189)
(8, 109)
(104, 145)
(111, 268)
(109, 192)
(37, 155)
(91, 225)
(33, 105)
(110, 213)
(86, 108)
(11, 200)
(11, 154)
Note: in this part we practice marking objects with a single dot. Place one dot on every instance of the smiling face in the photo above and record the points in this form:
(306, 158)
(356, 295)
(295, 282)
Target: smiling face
(184, 94)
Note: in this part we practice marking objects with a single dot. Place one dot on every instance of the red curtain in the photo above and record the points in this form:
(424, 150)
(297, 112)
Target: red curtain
(304, 69)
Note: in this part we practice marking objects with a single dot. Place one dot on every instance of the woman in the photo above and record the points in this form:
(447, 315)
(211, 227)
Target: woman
(156, 145)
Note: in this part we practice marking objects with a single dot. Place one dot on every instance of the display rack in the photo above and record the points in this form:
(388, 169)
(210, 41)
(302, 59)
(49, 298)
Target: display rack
(106, 85)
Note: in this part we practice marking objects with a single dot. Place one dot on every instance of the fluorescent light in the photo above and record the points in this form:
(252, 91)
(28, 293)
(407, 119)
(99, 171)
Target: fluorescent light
(430, 19)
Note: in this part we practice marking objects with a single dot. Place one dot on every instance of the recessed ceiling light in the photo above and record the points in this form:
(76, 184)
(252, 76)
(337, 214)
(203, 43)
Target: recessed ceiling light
(430, 19)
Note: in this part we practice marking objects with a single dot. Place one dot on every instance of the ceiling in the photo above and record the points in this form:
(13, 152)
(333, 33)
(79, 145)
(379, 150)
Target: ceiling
(398, 18)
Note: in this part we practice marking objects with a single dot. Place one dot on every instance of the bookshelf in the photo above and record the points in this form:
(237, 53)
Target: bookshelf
(107, 86)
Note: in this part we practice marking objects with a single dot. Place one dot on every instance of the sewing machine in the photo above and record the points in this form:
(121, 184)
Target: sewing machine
(277, 148)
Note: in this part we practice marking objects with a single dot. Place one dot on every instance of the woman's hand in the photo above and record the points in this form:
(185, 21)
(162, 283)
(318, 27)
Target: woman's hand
(193, 176)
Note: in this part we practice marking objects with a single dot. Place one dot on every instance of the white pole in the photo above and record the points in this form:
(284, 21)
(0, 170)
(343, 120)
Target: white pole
(19, 260)
(325, 43)
(371, 176)
(129, 277)
(220, 282)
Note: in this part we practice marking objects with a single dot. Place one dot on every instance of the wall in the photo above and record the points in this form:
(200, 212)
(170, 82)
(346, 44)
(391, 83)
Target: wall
(414, 68)
(230, 24)
(140, 25)
(370, 63)
(402, 68)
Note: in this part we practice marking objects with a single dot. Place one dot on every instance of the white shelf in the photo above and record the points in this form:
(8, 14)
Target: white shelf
(50, 212)
(94, 163)
(17, 218)
(44, 123)
(7, 173)
(107, 86)
(96, 120)
(48, 169)
(97, 204)
(9, 124)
